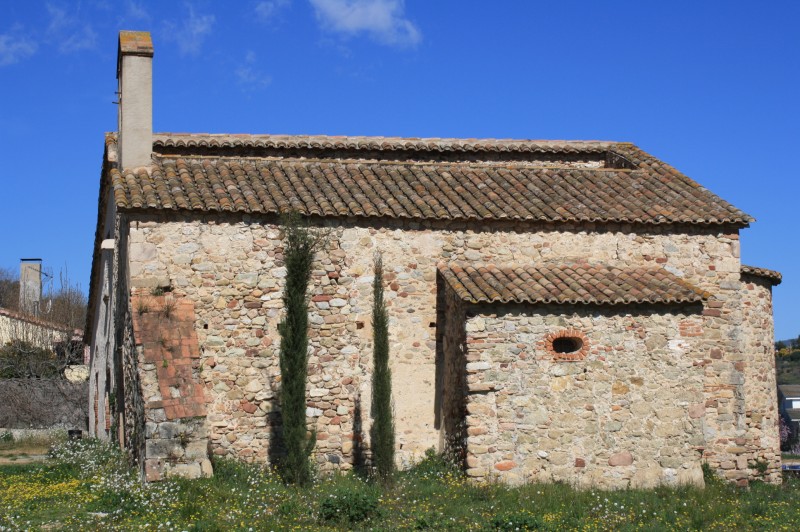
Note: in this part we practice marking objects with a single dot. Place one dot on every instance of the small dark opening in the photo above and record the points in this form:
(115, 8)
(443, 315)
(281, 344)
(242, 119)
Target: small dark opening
(359, 325)
(567, 344)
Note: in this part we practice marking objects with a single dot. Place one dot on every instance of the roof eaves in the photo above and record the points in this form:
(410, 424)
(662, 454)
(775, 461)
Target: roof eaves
(774, 277)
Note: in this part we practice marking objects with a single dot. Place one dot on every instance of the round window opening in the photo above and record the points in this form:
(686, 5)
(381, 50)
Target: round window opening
(567, 344)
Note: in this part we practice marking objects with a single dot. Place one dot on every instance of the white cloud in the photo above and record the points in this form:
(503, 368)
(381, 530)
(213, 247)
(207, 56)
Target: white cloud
(15, 47)
(59, 19)
(383, 20)
(267, 9)
(83, 39)
(192, 32)
(134, 11)
(248, 77)
(67, 31)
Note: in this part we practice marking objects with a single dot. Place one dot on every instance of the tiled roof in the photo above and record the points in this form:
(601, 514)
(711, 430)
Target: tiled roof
(446, 179)
(177, 142)
(771, 275)
(565, 282)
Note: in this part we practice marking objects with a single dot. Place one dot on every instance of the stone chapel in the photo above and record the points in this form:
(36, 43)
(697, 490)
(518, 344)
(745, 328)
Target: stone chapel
(559, 310)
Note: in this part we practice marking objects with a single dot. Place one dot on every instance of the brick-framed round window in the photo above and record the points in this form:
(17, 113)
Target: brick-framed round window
(569, 345)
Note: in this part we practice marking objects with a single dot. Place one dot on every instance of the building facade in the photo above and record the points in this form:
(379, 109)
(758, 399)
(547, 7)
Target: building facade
(570, 311)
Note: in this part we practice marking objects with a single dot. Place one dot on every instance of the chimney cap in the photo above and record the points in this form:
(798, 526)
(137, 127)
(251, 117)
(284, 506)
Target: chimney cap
(134, 43)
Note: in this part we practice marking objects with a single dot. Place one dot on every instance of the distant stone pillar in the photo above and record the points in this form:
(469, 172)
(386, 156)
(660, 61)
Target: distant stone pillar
(30, 286)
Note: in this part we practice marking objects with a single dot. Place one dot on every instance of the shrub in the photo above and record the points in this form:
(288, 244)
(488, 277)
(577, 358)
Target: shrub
(349, 505)
(434, 466)
(6, 437)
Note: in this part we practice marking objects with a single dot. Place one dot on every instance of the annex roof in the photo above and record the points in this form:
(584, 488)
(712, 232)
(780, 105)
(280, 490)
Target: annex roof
(772, 276)
(567, 282)
(439, 179)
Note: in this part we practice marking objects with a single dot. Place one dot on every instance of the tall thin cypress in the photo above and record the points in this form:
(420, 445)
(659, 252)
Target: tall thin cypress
(298, 255)
(382, 431)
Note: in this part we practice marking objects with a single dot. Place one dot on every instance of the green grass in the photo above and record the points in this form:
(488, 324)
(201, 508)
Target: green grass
(38, 441)
(85, 486)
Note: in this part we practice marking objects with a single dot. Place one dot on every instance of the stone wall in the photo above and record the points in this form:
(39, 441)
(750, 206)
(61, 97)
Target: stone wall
(16, 326)
(629, 413)
(230, 266)
(761, 440)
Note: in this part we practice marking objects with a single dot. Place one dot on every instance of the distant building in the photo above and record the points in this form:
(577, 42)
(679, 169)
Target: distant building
(18, 326)
(789, 401)
(570, 311)
(24, 324)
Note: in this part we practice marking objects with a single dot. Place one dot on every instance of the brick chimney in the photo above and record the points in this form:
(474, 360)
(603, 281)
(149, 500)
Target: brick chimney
(135, 78)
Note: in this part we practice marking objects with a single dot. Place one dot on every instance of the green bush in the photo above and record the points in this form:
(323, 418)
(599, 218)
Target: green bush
(349, 505)
(434, 466)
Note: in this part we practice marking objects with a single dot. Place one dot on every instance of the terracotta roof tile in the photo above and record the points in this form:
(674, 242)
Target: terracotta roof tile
(567, 282)
(166, 141)
(360, 176)
(771, 275)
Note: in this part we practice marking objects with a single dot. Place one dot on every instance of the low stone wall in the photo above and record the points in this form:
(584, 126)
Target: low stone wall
(43, 404)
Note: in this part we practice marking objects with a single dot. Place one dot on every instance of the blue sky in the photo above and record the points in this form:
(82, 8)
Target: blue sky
(710, 87)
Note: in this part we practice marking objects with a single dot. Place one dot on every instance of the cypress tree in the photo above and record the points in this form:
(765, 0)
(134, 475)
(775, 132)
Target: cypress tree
(298, 255)
(382, 431)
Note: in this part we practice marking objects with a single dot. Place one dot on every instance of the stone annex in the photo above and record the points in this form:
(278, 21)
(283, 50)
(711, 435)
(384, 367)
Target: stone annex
(559, 311)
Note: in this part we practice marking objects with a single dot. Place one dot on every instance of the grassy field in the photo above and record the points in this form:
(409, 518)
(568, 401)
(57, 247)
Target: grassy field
(28, 449)
(85, 486)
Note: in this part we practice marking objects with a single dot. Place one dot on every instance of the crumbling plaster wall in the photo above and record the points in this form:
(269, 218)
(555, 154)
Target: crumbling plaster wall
(231, 267)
